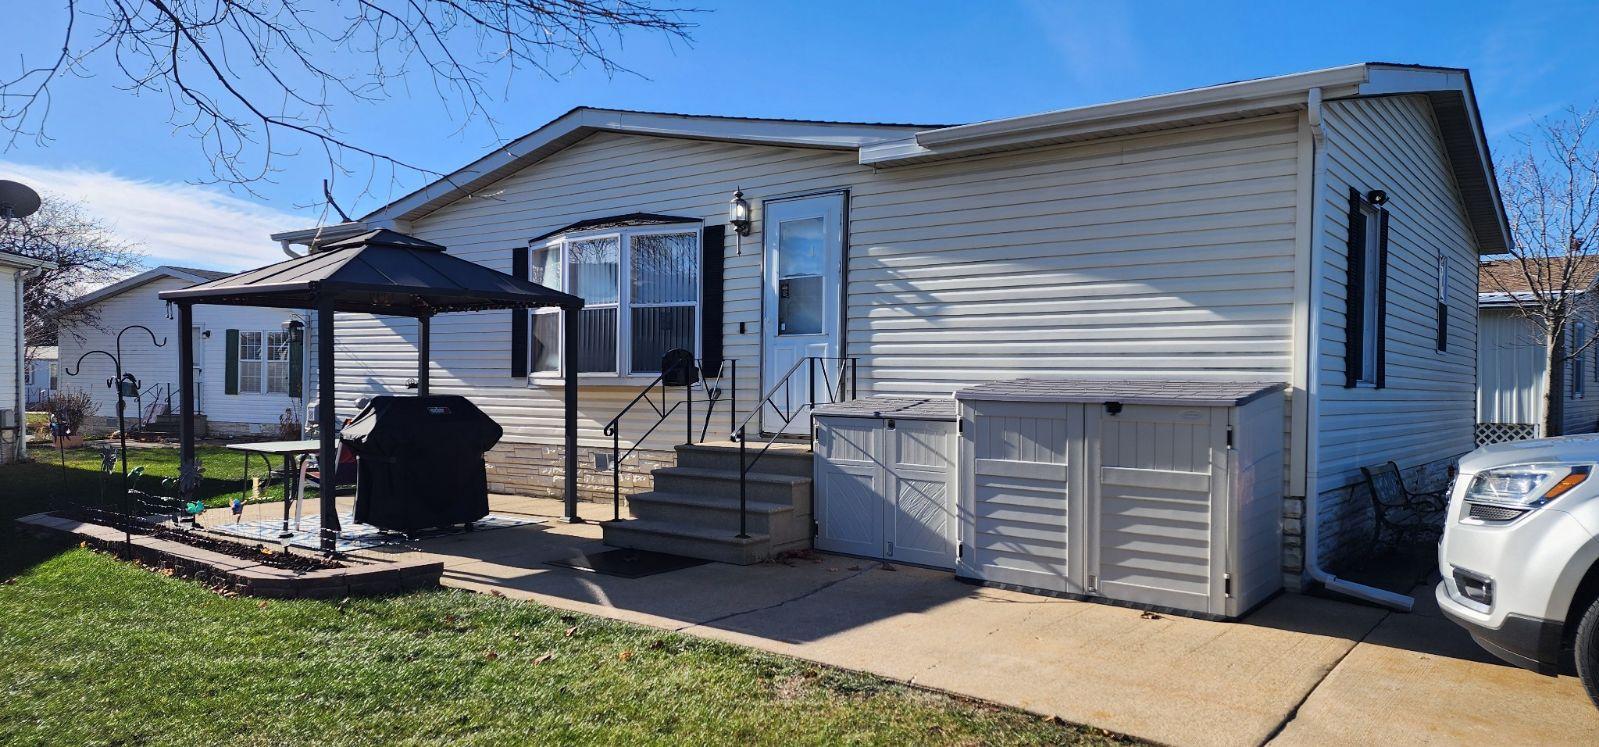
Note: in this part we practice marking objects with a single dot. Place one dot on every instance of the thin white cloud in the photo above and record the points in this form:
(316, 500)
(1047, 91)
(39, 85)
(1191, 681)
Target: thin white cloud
(174, 223)
(1096, 42)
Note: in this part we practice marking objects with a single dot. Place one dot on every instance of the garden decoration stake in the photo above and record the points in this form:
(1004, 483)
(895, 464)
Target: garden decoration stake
(124, 383)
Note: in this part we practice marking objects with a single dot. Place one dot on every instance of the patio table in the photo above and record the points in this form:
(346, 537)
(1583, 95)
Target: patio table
(291, 476)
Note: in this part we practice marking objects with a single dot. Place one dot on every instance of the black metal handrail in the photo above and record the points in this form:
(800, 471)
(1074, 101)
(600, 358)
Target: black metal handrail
(835, 392)
(727, 369)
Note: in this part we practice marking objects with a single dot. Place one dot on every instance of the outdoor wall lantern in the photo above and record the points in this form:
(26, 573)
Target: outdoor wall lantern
(1377, 198)
(738, 213)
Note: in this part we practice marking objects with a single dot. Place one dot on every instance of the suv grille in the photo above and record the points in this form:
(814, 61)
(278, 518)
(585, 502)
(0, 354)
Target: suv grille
(1485, 512)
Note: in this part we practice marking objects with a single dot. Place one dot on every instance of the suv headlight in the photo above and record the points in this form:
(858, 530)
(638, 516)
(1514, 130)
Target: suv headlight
(1524, 486)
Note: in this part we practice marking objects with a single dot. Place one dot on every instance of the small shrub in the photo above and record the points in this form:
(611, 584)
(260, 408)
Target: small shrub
(70, 406)
(288, 426)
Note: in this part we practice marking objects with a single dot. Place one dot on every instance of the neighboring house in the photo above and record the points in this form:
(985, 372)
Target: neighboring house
(1204, 234)
(248, 369)
(39, 374)
(14, 269)
(1513, 356)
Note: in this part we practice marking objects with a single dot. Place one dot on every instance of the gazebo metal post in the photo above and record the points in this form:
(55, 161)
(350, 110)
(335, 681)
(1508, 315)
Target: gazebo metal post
(424, 324)
(569, 337)
(328, 460)
(186, 386)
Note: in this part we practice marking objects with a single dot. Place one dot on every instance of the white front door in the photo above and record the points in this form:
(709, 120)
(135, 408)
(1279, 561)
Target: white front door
(198, 336)
(804, 244)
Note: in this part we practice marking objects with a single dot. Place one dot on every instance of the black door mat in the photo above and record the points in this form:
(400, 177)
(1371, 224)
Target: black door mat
(627, 563)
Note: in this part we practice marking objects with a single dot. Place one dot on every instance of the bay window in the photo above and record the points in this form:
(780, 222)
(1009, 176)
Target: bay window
(640, 288)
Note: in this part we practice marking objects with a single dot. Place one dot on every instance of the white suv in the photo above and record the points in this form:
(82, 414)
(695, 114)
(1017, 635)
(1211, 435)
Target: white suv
(1520, 553)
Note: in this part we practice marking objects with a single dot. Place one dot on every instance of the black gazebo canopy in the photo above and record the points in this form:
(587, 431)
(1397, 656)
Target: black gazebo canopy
(379, 272)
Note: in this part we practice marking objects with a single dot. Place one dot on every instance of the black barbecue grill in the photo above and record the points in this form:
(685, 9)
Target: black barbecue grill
(421, 461)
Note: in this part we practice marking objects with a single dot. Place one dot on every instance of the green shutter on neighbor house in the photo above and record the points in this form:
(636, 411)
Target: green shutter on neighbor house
(296, 364)
(231, 374)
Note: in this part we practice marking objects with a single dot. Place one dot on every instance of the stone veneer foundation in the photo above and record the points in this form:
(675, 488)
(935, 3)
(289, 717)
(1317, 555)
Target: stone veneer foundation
(537, 470)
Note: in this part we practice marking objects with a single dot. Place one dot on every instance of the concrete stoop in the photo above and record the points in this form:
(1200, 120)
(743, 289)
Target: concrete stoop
(694, 508)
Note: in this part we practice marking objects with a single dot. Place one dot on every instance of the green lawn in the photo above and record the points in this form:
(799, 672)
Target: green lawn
(41, 484)
(97, 651)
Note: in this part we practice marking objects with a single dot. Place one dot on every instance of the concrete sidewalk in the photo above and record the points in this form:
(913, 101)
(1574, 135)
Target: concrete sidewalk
(1301, 670)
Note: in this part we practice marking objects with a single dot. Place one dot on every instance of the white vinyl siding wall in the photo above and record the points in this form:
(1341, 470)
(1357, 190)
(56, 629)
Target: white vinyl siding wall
(154, 365)
(1582, 412)
(1512, 367)
(1165, 254)
(10, 377)
(1425, 413)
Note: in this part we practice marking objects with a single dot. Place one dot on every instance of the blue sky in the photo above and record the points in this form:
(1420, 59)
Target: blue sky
(932, 62)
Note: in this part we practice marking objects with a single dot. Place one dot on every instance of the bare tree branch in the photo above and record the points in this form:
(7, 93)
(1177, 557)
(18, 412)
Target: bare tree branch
(252, 80)
(86, 253)
(1551, 195)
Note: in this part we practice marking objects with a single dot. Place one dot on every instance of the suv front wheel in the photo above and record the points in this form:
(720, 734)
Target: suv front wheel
(1587, 651)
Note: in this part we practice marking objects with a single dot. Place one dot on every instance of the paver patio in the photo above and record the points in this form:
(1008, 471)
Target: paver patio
(1300, 670)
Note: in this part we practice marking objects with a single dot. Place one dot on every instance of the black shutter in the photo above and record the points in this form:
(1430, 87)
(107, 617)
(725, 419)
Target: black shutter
(296, 364)
(1382, 299)
(1443, 327)
(1354, 291)
(519, 319)
(712, 242)
(230, 363)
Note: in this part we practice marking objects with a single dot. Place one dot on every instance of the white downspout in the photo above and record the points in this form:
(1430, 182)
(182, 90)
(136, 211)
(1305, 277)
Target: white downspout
(1313, 387)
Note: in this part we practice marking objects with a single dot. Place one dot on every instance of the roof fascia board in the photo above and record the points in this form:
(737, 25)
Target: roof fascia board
(7, 259)
(904, 152)
(582, 122)
(322, 233)
(125, 285)
(1231, 94)
(1398, 80)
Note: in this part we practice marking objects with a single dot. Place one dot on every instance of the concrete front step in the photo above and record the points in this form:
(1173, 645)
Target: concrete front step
(779, 520)
(782, 459)
(692, 541)
(786, 489)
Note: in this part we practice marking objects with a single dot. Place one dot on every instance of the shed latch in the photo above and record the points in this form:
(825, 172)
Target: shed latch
(891, 424)
(1113, 408)
(1227, 584)
(890, 550)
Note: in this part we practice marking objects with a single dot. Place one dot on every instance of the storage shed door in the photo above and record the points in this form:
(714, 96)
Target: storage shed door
(920, 525)
(1018, 493)
(1156, 534)
(849, 486)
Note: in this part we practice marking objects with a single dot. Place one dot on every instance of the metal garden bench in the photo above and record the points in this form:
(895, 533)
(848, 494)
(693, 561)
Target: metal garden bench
(1406, 516)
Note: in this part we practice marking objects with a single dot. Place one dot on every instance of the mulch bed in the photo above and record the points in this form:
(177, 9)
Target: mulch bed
(255, 553)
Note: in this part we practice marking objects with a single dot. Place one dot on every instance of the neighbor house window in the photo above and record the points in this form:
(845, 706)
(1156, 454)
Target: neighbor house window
(251, 361)
(640, 289)
(263, 362)
(1372, 283)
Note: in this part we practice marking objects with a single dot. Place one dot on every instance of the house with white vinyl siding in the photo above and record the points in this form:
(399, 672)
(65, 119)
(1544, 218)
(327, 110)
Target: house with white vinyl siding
(1513, 376)
(1318, 230)
(14, 271)
(249, 371)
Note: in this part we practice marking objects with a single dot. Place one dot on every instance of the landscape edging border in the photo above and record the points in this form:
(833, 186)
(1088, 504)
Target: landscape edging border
(240, 575)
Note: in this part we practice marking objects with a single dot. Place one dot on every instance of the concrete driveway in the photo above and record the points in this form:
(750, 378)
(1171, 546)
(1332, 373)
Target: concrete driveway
(1301, 670)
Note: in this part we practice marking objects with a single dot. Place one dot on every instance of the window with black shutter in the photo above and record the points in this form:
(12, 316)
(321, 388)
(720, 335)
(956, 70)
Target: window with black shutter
(1366, 294)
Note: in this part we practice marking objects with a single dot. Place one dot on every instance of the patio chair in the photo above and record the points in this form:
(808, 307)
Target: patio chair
(343, 475)
(1406, 516)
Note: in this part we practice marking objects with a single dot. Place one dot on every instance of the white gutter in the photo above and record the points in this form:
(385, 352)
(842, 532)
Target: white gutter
(1312, 558)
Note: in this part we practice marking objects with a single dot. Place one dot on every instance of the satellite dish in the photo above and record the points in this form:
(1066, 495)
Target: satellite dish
(17, 200)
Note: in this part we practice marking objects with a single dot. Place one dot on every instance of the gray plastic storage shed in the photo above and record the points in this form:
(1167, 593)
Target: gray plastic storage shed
(885, 479)
(1158, 493)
